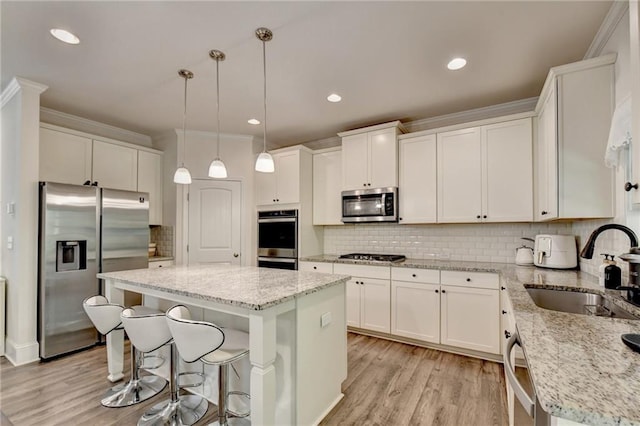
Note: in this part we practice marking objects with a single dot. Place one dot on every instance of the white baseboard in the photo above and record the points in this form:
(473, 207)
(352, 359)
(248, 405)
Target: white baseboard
(21, 354)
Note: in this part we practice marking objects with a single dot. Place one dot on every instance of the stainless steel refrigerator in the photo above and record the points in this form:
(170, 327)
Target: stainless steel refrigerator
(83, 230)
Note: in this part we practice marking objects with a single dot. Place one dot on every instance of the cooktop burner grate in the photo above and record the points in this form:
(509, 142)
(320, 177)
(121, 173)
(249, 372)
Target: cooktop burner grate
(374, 257)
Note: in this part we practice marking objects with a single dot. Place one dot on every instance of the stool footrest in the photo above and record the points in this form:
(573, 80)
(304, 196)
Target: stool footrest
(234, 413)
(192, 384)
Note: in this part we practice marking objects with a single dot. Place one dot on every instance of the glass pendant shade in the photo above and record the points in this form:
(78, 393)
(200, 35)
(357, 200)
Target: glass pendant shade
(182, 176)
(217, 169)
(264, 163)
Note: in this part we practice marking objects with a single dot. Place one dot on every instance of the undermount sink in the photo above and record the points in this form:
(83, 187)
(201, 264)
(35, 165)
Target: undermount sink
(576, 302)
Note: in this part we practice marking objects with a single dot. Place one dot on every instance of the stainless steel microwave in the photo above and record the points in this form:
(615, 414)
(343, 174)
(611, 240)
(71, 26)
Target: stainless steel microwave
(370, 205)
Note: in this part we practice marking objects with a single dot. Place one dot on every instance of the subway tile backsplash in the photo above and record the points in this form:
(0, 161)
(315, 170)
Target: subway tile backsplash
(163, 237)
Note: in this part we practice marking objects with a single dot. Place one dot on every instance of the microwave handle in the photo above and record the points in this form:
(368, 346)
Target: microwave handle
(384, 203)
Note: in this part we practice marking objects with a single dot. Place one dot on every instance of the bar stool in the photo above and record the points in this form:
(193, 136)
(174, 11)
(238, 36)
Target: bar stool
(199, 340)
(148, 333)
(105, 317)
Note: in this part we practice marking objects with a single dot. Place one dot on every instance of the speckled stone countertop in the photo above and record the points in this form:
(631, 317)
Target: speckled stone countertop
(579, 366)
(244, 286)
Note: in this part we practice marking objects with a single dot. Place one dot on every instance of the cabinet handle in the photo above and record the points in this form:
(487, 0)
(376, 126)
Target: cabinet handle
(413, 275)
(468, 280)
(628, 187)
(544, 212)
(507, 334)
(504, 312)
(437, 291)
(87, 183)
(443, 291)
(95, 183)
(503, 288)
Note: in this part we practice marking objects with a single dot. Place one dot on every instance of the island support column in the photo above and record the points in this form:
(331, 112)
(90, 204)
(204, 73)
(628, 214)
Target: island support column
(115, 339)
(262, 329)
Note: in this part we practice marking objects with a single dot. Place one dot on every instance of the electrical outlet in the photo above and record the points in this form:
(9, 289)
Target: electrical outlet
(325, 319)
(9, 243)
(11, 208)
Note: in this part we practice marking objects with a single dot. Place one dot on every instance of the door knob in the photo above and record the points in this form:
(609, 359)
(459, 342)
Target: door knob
(236, 254)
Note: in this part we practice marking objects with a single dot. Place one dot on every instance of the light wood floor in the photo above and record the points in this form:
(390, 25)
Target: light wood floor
(388, 383)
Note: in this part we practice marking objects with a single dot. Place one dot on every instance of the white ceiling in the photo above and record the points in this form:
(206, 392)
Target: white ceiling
(387, 59)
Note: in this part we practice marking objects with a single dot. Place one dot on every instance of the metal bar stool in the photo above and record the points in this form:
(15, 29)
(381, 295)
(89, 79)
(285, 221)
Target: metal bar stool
(199, 340)
(148, 333)
(105, 317)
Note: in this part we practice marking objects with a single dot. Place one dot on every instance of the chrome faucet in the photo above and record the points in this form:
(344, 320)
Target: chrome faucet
(633, 257)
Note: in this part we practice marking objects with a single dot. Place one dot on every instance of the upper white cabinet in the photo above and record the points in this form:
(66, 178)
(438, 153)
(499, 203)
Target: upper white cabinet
(370, 157)
(485, 173)
(327, 185)
(283, 185)
(64, 157)
(417, 180)
(574, 116)
(115, 166)
(150, 180)
(69, 156)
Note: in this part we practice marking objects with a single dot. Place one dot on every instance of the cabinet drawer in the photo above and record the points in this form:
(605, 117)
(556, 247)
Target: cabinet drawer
(382, 272)
(325, 267)
(415, 275)
(160, 264)
(470, 279)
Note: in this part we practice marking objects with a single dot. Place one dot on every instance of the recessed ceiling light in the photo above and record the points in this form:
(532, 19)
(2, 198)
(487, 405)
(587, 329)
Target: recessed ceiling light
(65, 36)
(457, 63)
(253, 121)
(334, 97)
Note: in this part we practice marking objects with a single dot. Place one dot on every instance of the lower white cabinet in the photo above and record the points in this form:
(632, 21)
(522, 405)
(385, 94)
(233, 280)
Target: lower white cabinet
(324, 267)
(415, 310)
(470, 318)
(154, 264)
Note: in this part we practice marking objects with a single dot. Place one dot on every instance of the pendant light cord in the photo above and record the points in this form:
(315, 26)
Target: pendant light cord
(184, 122)
(264, 74)
(218, 108)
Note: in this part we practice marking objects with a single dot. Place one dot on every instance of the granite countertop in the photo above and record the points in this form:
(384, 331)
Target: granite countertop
(580, 368)
(244, 286)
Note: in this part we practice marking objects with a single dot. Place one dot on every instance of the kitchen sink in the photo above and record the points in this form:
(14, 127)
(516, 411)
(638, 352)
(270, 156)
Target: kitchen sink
(576, 302)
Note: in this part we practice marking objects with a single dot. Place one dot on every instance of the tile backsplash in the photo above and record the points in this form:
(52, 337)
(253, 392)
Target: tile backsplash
(163, 237)
(468, 242)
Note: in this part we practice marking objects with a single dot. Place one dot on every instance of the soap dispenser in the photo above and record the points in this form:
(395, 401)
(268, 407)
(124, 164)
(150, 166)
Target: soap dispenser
(612, 275)
(601, 268)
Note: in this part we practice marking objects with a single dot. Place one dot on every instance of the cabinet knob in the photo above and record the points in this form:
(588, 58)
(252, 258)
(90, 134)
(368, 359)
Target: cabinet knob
(87, 183)
(443, 291)
(315, 267)
(507, 334)
(544, 212)
(274, 200)
(484, 216)
(628, 186)
(364, 184)
(399, 218)
(503, 288)
(468, 280)
(437, 291)
(236, 254)
(94, 183)
(368, 184)
(159, 266)
(504, 312)
(478, 217)
(278, 200)
(413, 275)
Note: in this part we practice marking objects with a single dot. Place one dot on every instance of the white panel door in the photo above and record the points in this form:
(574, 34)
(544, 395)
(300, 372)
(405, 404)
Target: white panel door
(353, 302)
(355, 159)
(376, 304)
(507, 172)
(64, 158)
(327, 185)
(150, 180)
(214, 222)
(459, 176)
(470, 318)
(415, 310)
(115, 166)
(383, 158)
(287, 177)
(418, 180)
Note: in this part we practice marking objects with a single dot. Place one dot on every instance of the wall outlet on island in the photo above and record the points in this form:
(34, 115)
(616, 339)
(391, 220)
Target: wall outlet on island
(325, 319)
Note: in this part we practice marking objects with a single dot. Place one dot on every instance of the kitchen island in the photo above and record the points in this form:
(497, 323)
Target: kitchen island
(296, 322)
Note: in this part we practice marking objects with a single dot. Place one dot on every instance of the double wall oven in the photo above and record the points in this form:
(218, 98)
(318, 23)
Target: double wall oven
(278, 239)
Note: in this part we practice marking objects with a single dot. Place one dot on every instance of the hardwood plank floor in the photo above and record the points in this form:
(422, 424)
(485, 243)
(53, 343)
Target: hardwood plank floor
(387, 383)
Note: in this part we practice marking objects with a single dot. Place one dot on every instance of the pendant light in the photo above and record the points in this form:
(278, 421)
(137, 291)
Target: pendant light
(182, 175)
(217, 168)
(264, 163)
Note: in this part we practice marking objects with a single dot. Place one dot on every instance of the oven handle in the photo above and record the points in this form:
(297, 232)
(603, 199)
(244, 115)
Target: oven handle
(518, 390)
(278, 220)
(277, 259)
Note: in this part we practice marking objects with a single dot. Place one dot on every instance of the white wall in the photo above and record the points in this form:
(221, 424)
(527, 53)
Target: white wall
(19, 177)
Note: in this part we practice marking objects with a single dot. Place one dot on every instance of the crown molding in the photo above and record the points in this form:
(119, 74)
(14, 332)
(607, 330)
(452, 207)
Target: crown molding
(14, 87)
(74, 122)
(608, 26)
(492, 111)
(377, 127)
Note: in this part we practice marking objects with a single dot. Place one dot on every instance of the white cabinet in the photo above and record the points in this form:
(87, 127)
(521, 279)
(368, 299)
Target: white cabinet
(150, 181)
(470, 304)
(574, 115)
(115, 166)
(368, 296)
(283, 185)
(417, 180)
(327, 187)
(160, 264)
(370, 157)
(415, 304)
(64, 157)
(485, 173)
(323, 267)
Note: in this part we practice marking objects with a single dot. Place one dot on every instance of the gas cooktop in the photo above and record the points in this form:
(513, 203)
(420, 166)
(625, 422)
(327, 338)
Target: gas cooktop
(374, 257)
